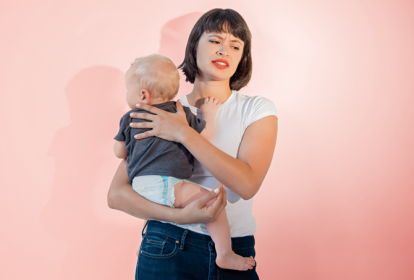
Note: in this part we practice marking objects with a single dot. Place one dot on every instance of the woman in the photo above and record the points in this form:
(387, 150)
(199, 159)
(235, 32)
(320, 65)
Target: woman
(218, 63)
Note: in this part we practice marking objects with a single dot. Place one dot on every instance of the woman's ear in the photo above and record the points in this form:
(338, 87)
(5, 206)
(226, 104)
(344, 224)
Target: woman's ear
(145, 96)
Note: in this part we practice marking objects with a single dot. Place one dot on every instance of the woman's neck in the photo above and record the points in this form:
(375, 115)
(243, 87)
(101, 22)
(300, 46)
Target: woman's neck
(202, 89)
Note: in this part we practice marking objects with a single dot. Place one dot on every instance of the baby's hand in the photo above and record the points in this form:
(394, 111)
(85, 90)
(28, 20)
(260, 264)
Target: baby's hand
(210, 106)
(208, 114)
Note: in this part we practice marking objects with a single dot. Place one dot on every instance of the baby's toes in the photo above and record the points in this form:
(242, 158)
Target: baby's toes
(248, 266)
(251, 261)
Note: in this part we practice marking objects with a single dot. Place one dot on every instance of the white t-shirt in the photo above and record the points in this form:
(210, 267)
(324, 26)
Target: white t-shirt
(232, 119)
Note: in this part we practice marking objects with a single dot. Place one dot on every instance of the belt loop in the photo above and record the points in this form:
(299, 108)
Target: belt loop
(211, 246)
(146, 224)
(183, 239)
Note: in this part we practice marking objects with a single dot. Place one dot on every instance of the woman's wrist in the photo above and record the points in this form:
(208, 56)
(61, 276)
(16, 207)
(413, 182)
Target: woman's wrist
(185, 134)
(177, 216)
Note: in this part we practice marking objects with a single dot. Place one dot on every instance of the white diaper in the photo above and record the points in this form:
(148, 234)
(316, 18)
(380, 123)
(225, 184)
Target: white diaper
(157, 188)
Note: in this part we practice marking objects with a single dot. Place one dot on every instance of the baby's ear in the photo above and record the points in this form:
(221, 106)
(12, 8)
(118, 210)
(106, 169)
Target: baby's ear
(146, 96)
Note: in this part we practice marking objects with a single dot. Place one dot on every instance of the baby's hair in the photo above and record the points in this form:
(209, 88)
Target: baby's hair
(158, 74)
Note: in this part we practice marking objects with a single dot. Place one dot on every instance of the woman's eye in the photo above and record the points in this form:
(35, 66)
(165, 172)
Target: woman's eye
(215, 42)
(236, 48)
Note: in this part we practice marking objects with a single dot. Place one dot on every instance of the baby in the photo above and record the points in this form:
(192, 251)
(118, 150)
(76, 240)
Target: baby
(158, 169)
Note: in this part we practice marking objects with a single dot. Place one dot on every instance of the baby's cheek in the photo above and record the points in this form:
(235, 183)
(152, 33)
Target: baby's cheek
(132, 100)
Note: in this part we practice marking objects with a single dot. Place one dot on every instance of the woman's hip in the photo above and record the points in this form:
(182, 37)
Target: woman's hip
(171, 252)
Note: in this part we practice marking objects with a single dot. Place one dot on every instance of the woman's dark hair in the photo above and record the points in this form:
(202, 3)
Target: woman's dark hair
(220, 20)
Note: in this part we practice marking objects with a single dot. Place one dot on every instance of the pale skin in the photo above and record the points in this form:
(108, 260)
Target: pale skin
(243, 175)
(186, 192)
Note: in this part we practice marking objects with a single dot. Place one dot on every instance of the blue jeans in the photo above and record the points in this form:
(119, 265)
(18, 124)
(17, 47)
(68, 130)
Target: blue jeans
(170, 252)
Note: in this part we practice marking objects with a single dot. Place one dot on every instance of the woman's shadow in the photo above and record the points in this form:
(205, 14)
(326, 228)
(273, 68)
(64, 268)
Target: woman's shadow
(98, 249)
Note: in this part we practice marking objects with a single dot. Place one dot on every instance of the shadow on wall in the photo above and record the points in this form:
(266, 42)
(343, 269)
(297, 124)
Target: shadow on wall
(174, 36)
(82, 150)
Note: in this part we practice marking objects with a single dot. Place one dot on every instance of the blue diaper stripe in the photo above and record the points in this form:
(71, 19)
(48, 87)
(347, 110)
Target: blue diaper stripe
(164, 191)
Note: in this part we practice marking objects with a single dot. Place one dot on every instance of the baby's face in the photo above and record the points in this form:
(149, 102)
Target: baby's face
(133, 95)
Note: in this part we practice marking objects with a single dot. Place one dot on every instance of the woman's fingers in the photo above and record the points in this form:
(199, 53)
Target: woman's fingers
(202, 201)
(164, 124)
(142, 124)
(144, 116)
(145, 134)
(197, 211)
(223, 194)
(150, 108)
(218, 205)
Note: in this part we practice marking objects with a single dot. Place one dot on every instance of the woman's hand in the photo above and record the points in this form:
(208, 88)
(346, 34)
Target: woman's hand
(197, 211)
(165, 125)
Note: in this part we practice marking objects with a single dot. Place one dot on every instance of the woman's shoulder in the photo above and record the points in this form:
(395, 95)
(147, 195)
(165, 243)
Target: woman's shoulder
(255, 104)
(251, 98)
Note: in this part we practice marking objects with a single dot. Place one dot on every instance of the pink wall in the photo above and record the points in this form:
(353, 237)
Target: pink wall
(338, 200)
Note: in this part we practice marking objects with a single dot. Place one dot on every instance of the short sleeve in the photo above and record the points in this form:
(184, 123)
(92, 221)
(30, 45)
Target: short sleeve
(193, 121)
(259, 108)
(122, 128)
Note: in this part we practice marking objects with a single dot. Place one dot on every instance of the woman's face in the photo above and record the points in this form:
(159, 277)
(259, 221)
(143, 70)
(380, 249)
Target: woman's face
(218, 55)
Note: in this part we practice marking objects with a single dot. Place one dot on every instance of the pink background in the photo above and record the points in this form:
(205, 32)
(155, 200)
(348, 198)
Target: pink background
(337, 202)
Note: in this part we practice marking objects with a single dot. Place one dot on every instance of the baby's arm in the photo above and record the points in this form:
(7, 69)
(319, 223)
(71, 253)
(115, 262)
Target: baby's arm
(120, 150)
(209, 110)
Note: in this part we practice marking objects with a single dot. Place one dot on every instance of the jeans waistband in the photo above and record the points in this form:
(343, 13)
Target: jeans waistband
(185, 236)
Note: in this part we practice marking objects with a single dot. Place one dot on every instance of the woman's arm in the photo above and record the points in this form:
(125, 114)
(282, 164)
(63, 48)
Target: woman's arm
(122, 197)
(244, 175)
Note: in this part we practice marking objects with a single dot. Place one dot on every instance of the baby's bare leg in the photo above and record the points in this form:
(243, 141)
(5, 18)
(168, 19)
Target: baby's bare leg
(219, 230)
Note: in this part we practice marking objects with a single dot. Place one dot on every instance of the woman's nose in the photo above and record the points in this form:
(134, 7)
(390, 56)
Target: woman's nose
(222, 53)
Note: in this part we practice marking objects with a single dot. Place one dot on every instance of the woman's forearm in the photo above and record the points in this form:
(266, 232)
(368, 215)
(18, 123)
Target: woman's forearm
(244, 175)
(233, 173)
(122, 197)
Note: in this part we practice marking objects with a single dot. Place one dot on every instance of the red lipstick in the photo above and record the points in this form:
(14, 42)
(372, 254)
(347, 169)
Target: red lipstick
(221, 63)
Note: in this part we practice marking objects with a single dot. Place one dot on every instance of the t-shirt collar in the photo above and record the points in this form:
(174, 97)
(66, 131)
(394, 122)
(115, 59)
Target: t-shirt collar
(184, 100)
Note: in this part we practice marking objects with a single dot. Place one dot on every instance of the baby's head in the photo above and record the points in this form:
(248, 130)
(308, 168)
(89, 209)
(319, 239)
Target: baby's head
(151, 80)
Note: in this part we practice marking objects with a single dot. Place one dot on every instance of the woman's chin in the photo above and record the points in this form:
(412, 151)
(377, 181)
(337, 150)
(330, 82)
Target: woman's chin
(217, 78)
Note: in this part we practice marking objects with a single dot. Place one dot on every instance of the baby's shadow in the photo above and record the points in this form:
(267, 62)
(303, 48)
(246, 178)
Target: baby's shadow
(82, 152)
(174, 37)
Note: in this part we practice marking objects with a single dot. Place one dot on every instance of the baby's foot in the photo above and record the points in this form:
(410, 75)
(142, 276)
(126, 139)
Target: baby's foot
(234, 261)
(210, 105)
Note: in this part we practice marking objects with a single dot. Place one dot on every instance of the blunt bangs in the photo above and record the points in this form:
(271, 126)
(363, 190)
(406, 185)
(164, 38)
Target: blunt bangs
(220, 21)
(226, 21)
